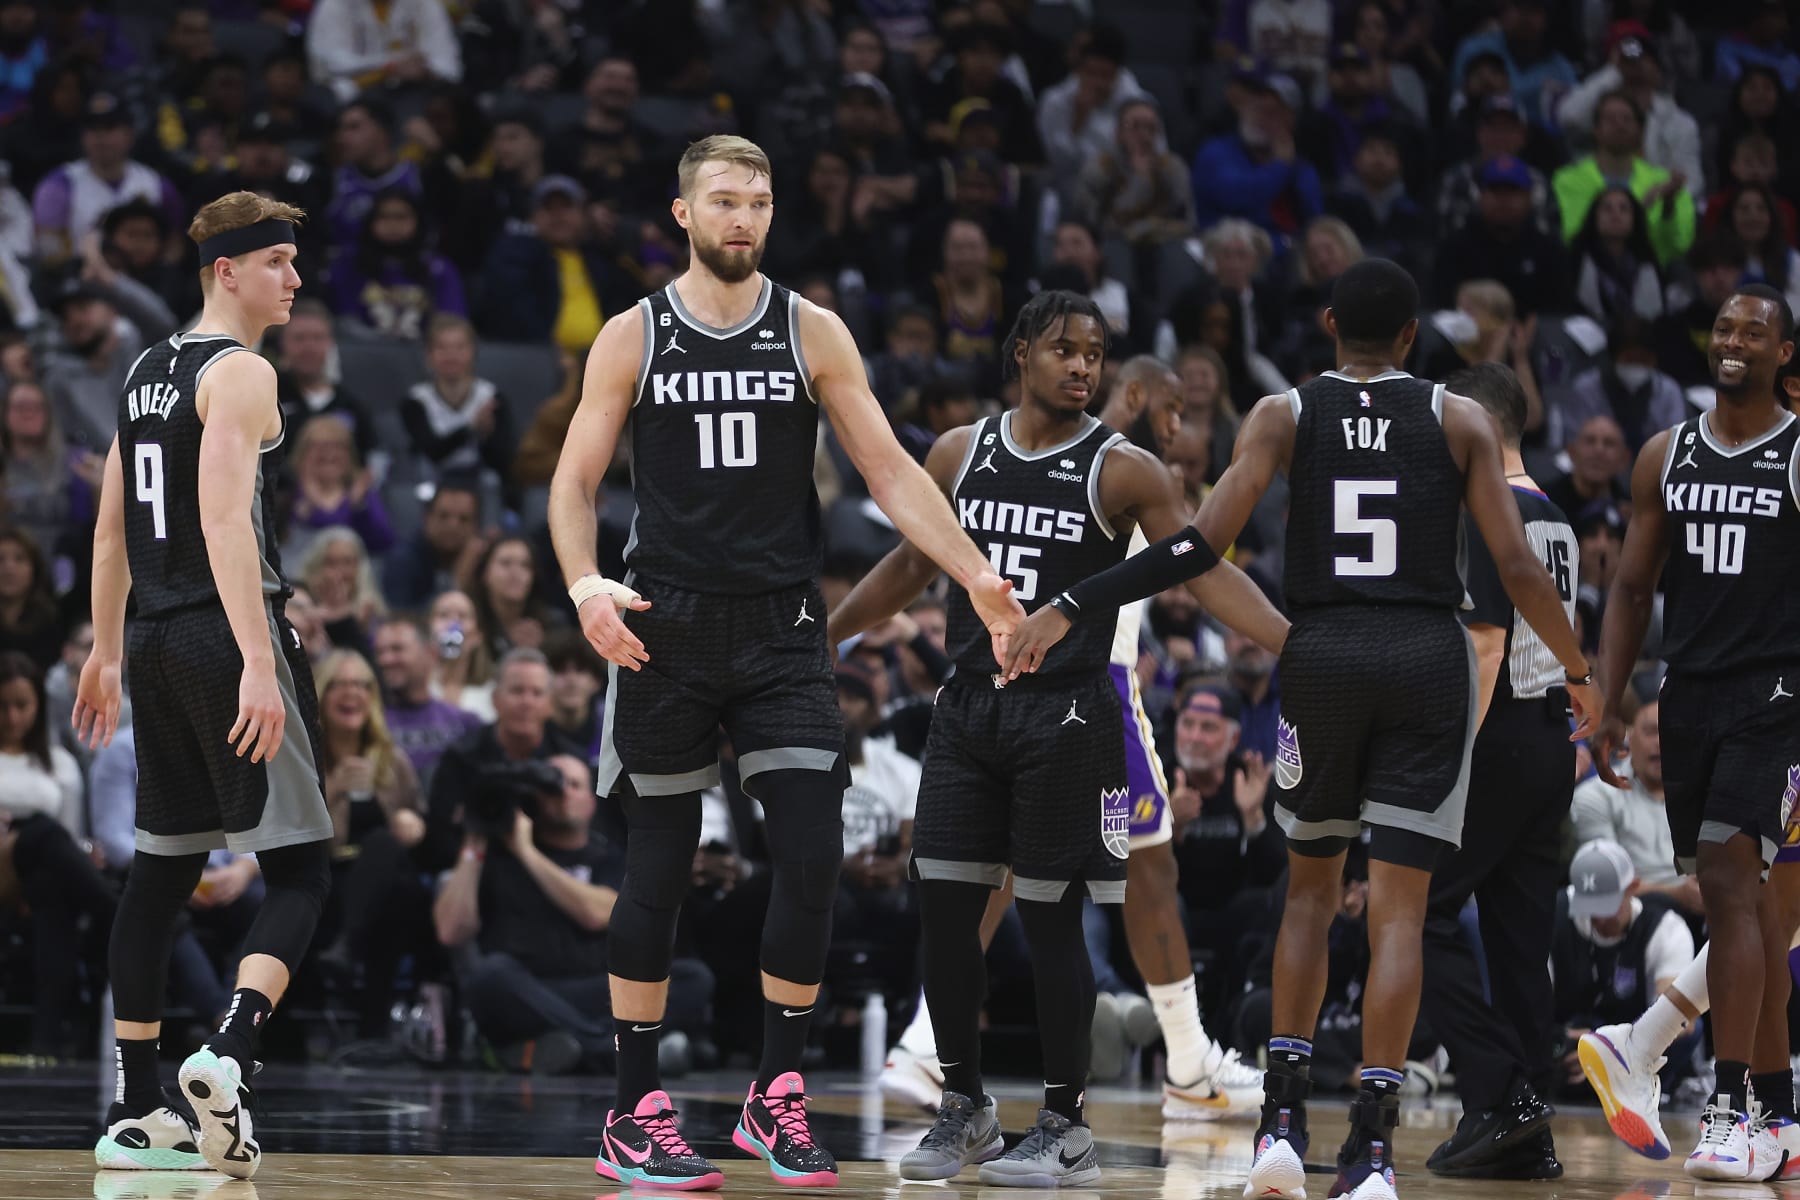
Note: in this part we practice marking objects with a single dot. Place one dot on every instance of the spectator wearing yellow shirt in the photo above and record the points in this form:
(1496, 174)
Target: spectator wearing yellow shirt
(549, 283)
(1618, 157)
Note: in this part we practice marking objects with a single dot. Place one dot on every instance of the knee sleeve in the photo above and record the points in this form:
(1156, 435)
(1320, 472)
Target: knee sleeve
(663, 833)
(143, 935)
(297, 878)
(805, 822)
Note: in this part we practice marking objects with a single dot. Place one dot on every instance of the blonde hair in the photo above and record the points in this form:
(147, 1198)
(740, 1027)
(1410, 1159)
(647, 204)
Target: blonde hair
(1339, 231)
(727, 148)
(1486, 297)
(1221, 372)
(368, 596)
(377, 743)
(324, 427)
(236, 210)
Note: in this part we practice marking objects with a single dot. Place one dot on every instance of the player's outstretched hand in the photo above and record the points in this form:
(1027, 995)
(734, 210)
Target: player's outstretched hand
(992, 596)
(1588, 707)
(96, 715)
(605, 629)
(1608, 737)
(262, 716)
(1032, 640)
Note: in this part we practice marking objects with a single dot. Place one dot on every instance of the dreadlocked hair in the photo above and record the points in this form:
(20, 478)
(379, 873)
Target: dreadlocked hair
(1041, 313)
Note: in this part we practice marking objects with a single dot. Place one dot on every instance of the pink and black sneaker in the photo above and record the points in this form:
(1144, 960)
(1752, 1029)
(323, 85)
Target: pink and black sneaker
(647, 1147)
(774, 1128)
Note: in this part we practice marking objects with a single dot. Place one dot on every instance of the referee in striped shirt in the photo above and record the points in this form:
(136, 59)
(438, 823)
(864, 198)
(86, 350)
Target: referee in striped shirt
(1521, 781)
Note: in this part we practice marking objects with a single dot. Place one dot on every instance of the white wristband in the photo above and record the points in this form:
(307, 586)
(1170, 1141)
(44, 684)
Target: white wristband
(589, 586)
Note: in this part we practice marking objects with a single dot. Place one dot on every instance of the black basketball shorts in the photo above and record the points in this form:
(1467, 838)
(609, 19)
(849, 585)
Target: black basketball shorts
(1377, 724)
(756, 665)
(194, 793)
(1730, 757)
(1031, 777)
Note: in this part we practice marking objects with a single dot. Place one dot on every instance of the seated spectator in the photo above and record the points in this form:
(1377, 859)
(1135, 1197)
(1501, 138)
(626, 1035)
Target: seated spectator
(1755, 218)
(517, 733)
(30, 621)
(1078, 118)
(1372, 200)
(1206, 404)
(1331, 135)
(972, 304)
(47, 133)
(69, 202)
(357, 44)
(540, 447)
(1761, 41)
(1600, 536)
(1326, 249)
(23, 53)
(1485, 327)
(1717, 263)
(1500, 132)
(464, 670)
(504, 588)
(267, 166)
(1624, 385)
(331, 489)
(500, 203)
(51, 488)
(442, 551)
(870, 132)
(1226, 840)
(1637, 819)
(86, 368)
(379, 909)
(390, 279)
(909, 358)
(1619, 155)
(550, 283)
(942, 405)
(829, 237)
(337, 572)
(1134, 189)
(1254, 172)
(40, 818)
(1539, 75)
(305, 385)
(1598, 456)
(1616, 950)
(1237, 254)
(979, 50)
(420, 724)
(1290, 37)
(368, 165)
(1671, 135)
(1760, 108)
(456, 420)
(1616, 274)
(1220, 320)
(1076, 246)
(1500, 243)
(1371, 28)
(577, 693)
(1753, 161)
(535, 896)
(1251, 672)
(289, 100)
(131, 242)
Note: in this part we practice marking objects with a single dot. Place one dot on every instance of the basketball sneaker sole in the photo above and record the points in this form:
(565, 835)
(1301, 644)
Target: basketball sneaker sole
(212, 1091)
(1598, 1056)
(1277, 1174)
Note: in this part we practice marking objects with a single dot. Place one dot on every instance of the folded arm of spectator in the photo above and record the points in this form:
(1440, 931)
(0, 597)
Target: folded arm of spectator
(589, 905)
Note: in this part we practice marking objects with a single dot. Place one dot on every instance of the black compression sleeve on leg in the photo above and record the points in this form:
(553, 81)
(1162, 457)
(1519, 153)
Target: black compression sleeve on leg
(298, 879)
(1176, 559)
(659, 872)
(143, 934)
(955, 976)
(1064, 979)
(804, 816)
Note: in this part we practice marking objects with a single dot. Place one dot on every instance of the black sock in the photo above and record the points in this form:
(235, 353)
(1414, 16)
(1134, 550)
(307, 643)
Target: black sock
(1063, 979)
(785, 1027)
(1291, 1052)
(1775, 1091)
(1733, 1081)
(640, 1074)
(1374, 1112)
(955, 977)
(140, 1088)
(239, 1034)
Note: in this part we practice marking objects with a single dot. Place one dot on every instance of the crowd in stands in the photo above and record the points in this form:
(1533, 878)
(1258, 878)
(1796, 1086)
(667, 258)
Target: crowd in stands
(1577, 187)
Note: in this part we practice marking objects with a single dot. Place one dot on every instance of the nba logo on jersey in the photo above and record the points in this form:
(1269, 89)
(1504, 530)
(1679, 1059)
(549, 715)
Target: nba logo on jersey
(1364, 397)
(1287, 754)
(1115, 822)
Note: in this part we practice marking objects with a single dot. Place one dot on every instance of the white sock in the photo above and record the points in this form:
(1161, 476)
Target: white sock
(1657, 1029)
(1178, 1012)
(1691, 983)
(920, 1040)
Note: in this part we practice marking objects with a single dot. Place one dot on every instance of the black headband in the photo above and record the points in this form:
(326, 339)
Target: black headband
(233, 242)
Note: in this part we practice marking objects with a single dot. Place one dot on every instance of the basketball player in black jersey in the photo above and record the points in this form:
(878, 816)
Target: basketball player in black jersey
(1521, 783)
(1032, 778)
(1716, 515)
(1378, 680)
(721, 376)
(222, 696)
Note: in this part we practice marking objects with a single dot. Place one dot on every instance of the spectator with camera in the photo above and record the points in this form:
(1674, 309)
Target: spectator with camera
(533, 891)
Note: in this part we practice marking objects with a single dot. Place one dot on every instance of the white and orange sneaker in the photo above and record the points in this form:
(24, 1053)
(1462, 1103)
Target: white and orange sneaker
(1230, 1089)
(1628, 1087)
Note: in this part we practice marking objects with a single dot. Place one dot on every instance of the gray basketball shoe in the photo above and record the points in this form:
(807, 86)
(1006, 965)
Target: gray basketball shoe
(1056, 1153)
(963, 1134)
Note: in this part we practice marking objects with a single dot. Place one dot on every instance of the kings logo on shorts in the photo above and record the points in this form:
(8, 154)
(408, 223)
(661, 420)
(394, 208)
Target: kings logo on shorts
(1790, 795)
(1287, 754)
(1115, 822)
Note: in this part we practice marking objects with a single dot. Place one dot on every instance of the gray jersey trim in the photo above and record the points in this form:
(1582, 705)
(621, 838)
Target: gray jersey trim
(1718, 447)
(1294, 402)
(1437, 402)
(271, 578)
(711, 331)
(793, 320)
(1093, 485)
(139, 361)
(968, 456)
(1381, 378)
(607, 767)
(993, 874)
(1721, 832)
(1669, 451)
(1311, 831)
(697, 780)
(1794, 473)
(643, 372)
(1087, 427)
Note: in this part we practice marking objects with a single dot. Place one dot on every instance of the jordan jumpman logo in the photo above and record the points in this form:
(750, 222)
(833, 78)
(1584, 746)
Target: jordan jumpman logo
(987, 464)
(673, 345)
(1687, 460)
(1780, 691)
(1070, 715)
(804, 616)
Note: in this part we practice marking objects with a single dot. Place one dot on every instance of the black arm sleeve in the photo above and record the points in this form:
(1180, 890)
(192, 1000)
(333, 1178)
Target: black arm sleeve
(1490, 605)
(1181, 556)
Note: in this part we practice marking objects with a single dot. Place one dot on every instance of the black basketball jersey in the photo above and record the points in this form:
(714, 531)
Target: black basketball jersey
(723, 432)
(1037, 514)
(1376, 496)
(1529, 670)
(159, 451)
(1729, 599)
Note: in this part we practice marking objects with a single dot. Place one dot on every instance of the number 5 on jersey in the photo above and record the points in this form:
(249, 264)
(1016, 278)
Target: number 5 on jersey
(148, 467)
(1347, 519)
(1010, 561)
(735, 439)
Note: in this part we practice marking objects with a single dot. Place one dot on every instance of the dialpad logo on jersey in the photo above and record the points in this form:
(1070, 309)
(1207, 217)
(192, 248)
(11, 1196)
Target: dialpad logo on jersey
(1770, 461)
(1115, 822)
(1790, 795)
(1287, 754)
(723, 387)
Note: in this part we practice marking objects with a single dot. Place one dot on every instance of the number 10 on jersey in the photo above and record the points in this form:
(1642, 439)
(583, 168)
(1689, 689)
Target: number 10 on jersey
(731, 444)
